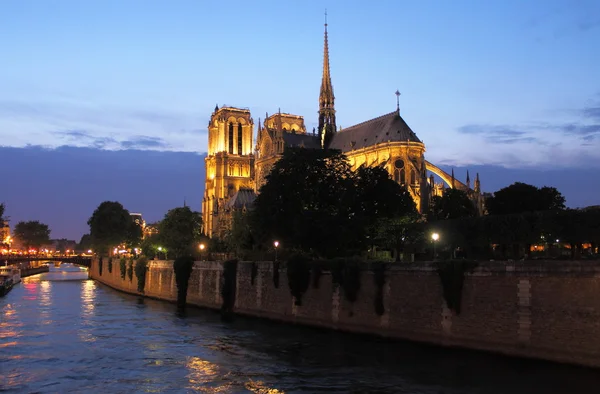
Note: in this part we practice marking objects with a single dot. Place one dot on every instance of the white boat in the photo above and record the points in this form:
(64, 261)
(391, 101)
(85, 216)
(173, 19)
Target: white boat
(11, 271)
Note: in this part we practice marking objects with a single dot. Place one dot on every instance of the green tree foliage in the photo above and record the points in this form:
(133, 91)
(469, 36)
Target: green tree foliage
(2, 210)
(180, 231)
(398, 233)
(110, 225)
(313, 201)
(240, 237)
(453, 204)
(85, 243)
(521, 197)
(61, 245)
(515, 233)
(150, 245)
(32, 233)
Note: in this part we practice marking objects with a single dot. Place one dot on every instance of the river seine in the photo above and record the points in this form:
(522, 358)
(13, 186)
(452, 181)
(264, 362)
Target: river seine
(63, 333)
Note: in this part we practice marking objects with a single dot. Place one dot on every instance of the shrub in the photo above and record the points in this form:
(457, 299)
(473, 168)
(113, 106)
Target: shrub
(110, 265)
(130, 270)
(379, 269)
(276, 274)
(100, 266)
(346, 274)
(183, 267)
(228, 288)
(452, 276)
(298, 274)
(253, 272)
(123, 267)
(141, 267)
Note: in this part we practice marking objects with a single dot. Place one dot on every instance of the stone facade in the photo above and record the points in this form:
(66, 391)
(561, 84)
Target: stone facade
(545, 310)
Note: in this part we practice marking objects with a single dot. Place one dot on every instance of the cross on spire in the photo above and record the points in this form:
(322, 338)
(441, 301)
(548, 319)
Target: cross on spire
(325, 18)
(398, 100)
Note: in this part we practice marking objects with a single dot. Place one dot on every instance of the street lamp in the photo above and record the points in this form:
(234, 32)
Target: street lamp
(434, 237)
(276, 244)
(159, 250)
(202, 247)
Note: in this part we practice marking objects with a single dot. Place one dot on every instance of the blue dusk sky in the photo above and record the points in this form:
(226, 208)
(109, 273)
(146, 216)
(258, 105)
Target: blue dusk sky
(509, 88)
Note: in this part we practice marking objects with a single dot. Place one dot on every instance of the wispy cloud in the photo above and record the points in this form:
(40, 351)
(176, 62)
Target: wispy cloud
(81, 124)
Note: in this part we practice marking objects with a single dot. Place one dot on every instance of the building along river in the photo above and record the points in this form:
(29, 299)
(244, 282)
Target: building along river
(63, 333)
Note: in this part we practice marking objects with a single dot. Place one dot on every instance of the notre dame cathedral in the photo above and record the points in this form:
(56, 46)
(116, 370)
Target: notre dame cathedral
(236, 170)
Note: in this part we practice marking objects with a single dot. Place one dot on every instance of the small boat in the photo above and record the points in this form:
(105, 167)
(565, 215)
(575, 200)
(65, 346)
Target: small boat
(6, 284)
(13, 271)
(10, 275)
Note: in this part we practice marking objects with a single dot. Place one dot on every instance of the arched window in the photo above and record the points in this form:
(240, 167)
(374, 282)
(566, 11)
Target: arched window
(402, 177)
(413, 177)
(231, 138)
(240, 140)
(396, 175)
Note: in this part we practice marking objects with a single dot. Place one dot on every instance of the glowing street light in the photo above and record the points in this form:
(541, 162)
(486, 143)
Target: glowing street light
(276, 244)
(202, 247)
(434, 237)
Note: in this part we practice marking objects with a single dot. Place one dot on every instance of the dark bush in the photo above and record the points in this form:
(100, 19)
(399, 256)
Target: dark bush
(130, 270)
(123, 267)
(100, 266)
(110, 265)
(228, 288)
(183, 267)
(452, 276)
(298, 274)
(379, 269)
(141, 267)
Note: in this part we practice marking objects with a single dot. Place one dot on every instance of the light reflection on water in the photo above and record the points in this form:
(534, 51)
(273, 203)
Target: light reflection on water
(60, 332)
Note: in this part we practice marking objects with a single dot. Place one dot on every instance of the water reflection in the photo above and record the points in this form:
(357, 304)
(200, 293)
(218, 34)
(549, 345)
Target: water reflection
(101, 340)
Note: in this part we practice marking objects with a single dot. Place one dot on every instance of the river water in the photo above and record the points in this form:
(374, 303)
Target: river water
(63, 333)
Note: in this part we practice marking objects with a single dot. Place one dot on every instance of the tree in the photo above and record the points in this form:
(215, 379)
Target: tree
(239, 238)
(453, 204)
(396, 233)
(85, 243)
(110, 225)
(61, 245)
(32, 233)
(180, 231)
(314, 202)
(521, 197)
(2, 208)
(150, 245)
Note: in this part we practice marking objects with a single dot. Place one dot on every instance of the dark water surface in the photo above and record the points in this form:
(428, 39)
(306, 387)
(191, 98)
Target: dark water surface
(62, 333)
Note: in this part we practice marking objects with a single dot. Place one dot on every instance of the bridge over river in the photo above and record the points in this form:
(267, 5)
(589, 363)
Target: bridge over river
(77, 260)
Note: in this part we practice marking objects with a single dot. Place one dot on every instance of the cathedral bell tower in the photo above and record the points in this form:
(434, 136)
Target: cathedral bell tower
(229, 162)
(326, 100)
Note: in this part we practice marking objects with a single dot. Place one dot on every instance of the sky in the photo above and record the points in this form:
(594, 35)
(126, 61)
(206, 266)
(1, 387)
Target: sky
(509, 85)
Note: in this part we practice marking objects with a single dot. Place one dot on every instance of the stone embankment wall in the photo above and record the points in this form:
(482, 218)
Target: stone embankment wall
(25, 272)
(546, 310)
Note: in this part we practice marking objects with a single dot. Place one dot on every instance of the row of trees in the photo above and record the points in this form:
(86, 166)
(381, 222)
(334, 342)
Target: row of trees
(313, 202)
(31, 234)
(111, 226)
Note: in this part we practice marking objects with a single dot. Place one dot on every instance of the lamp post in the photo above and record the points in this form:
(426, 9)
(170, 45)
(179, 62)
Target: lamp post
(434, 237)
(159, 250)
(276, 244)
(202, 247)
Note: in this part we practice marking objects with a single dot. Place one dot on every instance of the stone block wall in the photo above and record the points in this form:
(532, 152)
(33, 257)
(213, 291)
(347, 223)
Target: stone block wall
(547, 310)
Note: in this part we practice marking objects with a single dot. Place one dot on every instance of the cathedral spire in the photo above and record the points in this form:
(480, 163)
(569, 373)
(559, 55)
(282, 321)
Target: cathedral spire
(468, 180)
(452, 185)
(326, 98)
(477, 184)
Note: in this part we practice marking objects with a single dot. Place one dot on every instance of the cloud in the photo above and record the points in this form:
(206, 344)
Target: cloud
(143, 142)
(59, 122)
(498, 134)
(592, 113)
(583, 130)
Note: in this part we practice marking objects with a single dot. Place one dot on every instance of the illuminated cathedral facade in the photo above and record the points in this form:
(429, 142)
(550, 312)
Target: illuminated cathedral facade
(236, 169)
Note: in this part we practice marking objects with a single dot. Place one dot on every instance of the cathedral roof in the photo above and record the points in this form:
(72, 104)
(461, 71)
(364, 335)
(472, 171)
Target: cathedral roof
(386, 128)
(300, 140)
(242, 198)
